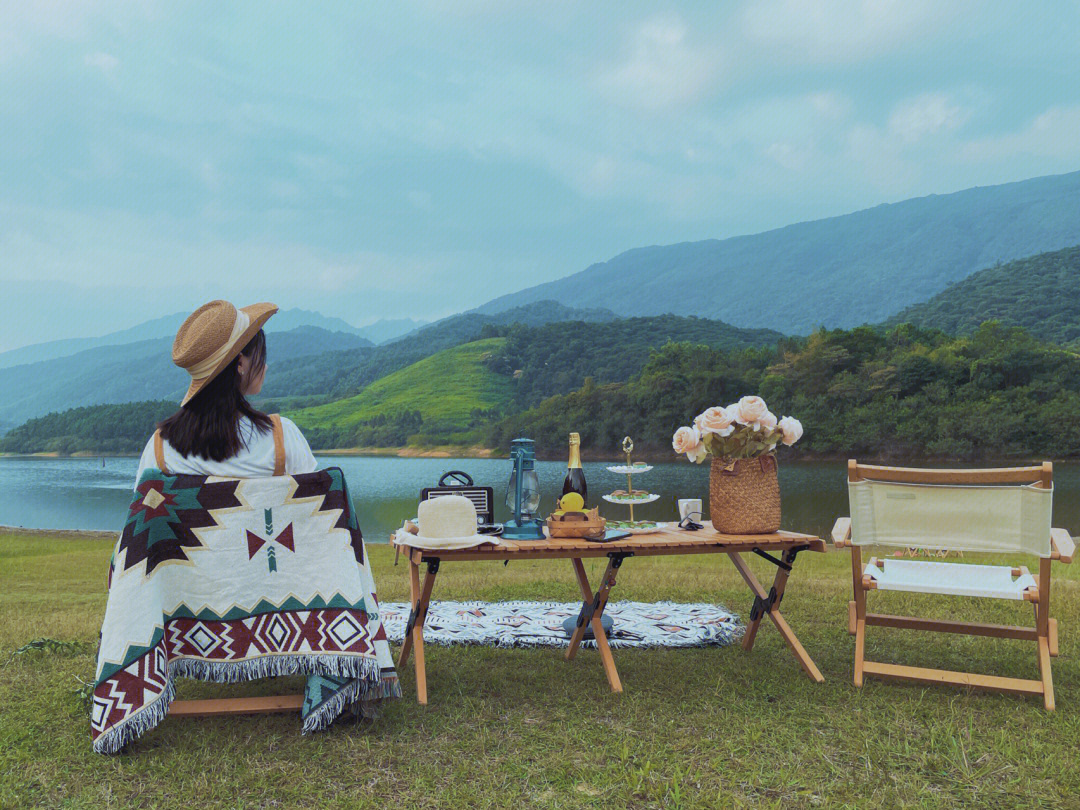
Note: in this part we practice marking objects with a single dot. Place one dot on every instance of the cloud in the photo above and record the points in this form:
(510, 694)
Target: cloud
(1053, 134)
(839, 31)
(662, 68)
(105, 62)
(928, 114)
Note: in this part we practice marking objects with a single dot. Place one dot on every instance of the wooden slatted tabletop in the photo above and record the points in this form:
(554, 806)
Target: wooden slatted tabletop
(663, 541)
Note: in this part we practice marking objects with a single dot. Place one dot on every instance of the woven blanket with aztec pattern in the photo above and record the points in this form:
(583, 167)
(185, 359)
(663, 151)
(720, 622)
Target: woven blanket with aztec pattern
(227, 580)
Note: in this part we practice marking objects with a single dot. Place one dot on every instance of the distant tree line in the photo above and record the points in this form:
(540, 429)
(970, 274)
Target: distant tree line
(905, 393)
(93, 429)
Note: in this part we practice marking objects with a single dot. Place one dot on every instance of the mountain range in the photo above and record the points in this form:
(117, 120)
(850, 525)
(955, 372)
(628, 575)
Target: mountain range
(840, 272)
(944, 261)
(131, 372)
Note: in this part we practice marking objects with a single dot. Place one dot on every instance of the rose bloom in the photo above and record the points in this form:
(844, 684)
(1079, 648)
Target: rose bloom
(749, 410)
(792, 430)
(715, 420)
(687, 440)
(768, 421)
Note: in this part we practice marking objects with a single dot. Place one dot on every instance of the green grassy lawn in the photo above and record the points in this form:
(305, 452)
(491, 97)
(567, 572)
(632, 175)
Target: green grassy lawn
(447, 386)
(523, 728)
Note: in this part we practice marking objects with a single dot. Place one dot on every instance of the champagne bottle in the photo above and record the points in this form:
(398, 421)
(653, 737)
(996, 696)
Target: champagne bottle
(575, 476)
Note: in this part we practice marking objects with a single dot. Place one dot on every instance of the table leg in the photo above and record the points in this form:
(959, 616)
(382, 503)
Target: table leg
(414, 630)
(592, 611)
(587, 596)
(768, 603)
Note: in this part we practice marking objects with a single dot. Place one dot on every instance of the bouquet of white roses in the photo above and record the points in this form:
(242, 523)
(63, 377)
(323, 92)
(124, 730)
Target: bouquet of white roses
(744, 429)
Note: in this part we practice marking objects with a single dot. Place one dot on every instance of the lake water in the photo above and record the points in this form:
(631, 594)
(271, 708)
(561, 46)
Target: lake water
(80, 493)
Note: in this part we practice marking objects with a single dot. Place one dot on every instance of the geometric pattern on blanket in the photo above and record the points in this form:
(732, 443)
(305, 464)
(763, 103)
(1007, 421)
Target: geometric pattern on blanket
(540, 624)
(229, 580)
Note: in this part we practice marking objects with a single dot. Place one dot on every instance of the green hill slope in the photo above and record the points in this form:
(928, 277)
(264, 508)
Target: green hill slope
(1040, 293)
(345, 373)
(445, 398)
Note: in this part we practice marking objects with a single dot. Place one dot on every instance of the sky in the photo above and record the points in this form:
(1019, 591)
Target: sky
(416, 159)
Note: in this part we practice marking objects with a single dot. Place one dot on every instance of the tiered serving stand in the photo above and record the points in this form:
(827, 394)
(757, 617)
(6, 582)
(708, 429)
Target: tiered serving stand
(630, 470)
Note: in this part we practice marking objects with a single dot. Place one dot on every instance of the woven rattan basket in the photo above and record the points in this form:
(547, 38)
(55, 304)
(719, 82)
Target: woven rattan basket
(744, 495)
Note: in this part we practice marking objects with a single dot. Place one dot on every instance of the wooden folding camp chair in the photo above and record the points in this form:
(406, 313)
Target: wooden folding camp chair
(1003, 510)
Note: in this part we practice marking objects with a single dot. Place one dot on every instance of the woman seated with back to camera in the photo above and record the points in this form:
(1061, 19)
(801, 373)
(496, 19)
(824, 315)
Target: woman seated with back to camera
(217, 431)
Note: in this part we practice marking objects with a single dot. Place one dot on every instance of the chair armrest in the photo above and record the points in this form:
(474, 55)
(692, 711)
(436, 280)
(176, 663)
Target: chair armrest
(841, 532)
(1061, 542)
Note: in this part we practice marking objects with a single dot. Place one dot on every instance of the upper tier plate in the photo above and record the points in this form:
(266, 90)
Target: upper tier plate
(623, 469)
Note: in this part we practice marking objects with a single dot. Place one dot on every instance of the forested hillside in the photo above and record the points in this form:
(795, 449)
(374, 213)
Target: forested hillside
(901, 394)
(840, 272)
(420, 392)
(905, 394)
(95, 429)
(556, 358)
(1041, 294)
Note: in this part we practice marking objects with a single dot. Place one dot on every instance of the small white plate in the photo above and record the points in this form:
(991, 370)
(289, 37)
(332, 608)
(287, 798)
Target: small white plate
(623, 470)
(642, 530)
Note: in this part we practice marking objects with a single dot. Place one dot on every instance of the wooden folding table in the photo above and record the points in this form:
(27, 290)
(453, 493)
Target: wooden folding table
(662, 542)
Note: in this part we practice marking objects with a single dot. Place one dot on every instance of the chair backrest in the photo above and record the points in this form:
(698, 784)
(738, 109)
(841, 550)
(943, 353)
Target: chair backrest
(1003, 510)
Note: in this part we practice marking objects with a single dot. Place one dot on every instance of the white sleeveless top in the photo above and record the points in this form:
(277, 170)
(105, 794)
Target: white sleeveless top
(256, 459)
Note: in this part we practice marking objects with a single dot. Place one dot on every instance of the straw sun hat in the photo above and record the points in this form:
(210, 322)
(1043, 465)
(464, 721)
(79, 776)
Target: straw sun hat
(212, 337)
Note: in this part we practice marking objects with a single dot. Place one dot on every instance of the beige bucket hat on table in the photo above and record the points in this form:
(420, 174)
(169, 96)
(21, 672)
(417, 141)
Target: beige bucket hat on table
(212, 337)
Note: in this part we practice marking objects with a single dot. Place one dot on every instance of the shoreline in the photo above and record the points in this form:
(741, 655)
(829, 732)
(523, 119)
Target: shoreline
(61, 534)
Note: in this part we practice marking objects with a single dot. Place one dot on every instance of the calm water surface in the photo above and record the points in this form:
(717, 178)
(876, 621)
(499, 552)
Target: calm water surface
(81, 493)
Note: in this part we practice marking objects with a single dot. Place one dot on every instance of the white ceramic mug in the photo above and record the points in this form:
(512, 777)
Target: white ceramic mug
(689, 506)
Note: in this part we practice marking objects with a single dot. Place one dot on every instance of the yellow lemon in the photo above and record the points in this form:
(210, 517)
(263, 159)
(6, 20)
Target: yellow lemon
(572, 502)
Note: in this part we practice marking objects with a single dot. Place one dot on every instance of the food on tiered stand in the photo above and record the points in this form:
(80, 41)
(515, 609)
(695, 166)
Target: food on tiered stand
(631, 496)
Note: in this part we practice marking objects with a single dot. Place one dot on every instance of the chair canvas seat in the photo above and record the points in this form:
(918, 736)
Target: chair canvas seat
(956, 579)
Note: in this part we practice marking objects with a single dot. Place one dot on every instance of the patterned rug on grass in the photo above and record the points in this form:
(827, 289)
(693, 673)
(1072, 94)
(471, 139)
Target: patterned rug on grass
(540, 624)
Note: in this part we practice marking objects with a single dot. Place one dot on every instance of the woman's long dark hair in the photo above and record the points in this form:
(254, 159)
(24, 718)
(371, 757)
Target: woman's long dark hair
(208, 425)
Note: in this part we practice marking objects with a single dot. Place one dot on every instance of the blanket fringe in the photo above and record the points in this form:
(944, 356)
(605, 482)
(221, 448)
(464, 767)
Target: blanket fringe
(129, 730)
(362, 695)
(336, 666)
(365, 672)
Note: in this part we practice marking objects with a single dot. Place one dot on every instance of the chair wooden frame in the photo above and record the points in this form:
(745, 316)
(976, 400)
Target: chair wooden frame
(1044, 633)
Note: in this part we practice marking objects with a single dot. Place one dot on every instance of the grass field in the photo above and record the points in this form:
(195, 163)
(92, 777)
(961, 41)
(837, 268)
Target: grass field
(524, 728)
(448, 386)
